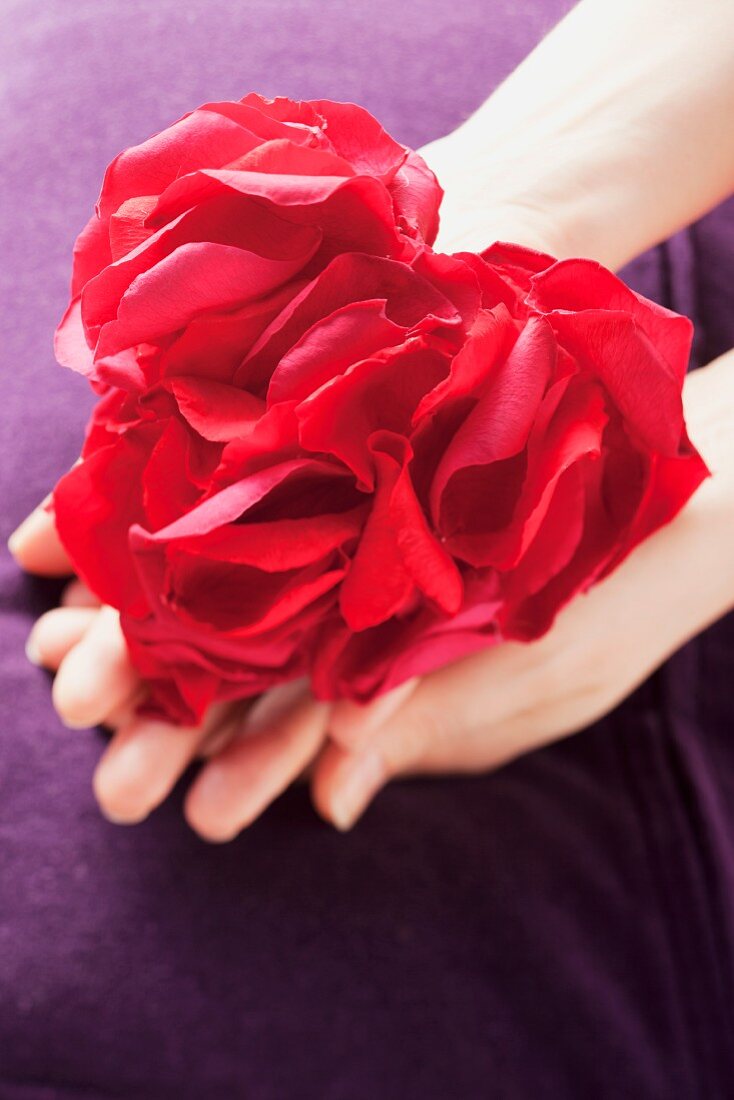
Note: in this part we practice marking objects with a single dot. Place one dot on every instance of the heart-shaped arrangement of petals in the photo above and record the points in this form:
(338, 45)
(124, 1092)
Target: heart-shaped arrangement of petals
(321, 448)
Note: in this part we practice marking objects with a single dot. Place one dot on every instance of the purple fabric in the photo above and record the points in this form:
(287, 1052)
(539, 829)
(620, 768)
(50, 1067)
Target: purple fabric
(562, 929)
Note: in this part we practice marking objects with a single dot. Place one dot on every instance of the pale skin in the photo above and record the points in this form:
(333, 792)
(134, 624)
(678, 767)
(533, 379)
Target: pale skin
(613, 134)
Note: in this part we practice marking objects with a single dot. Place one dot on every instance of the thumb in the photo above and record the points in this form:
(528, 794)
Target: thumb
(36, 545)
(368, 746)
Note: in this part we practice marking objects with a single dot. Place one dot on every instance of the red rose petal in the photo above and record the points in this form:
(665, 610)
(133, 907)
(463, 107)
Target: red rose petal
(417, 196)
(499, 425)
(240, 598)
(281, 189)
(490, 339)
(230, 221)
(70, 343)
(397, 552)
(96, 504)
(347, 335)
(214, 344)
(271, 119)
(203, 137)
(195, 278)
(284, 158)
(215, 410)
(557, 537)
(379, 393)
(168, 489)
(230, 503)
(454, 279)
(575, 285)
(281, 544)
(672, 481)
(271, 440)
(91, 254)
(127, 226)
(348, 280)
(358, 137)
(290, 377)
(615, 349)
(360, 665)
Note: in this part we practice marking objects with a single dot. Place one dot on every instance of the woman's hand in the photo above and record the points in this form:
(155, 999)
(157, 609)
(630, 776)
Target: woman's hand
(252, 752)
(468, 717)
(498, 704)
(471, 716)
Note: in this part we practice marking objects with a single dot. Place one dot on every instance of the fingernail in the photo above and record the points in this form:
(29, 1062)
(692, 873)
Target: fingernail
(360, 781)
(119, 785)
(72, 725)
(32, 652)
(15, 540)
(116, 819)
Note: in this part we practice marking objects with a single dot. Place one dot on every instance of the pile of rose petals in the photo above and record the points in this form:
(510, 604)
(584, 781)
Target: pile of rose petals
(321, 448)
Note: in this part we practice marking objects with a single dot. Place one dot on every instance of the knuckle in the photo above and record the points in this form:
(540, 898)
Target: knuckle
(422, 733)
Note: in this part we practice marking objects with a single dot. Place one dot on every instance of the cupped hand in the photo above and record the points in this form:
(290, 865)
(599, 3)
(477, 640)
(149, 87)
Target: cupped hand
(251, 752)
(254, 751)
(470, 716)
(485, 710)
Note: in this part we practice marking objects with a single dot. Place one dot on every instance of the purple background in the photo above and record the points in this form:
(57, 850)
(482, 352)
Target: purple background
(560, 929)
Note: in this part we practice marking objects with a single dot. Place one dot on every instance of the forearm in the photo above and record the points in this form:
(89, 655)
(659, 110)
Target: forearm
(708, 400)
(706, 525)
(685, 573)
(619, 128)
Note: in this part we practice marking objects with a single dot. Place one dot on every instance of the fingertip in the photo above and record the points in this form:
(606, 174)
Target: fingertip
(114, 819)
(225, 797)
(55, 633)
(32, 652)
(73, 693)
(36, 520)
(96, 677)
(322, 779)
(36, 546)
(142, 764)
(116, 795)
(15, 542)
(202, 806)
(345, 783)
(275, 740)
(208, 828)
(122, 779)
(79, 698)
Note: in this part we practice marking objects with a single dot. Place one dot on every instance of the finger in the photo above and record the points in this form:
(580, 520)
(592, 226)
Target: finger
(144, 761)
(344, 783)
(349, 772)
(36, 545)
(55, 633)
(353, 724)
(76, 594)
(280, 735)
(218, 736)
(96, 676)
(125, 713)
(468, 716)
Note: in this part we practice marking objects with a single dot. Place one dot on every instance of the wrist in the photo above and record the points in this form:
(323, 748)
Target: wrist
(709, 516)
(485, 202)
